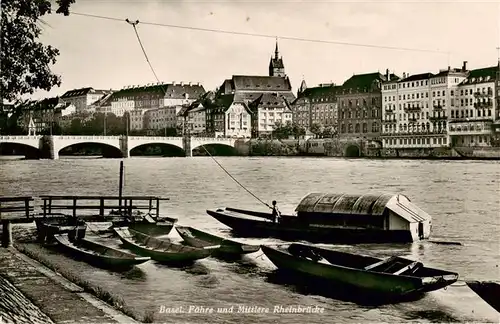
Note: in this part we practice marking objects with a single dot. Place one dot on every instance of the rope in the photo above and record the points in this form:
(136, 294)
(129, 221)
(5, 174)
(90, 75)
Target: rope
(142, 47)
(242, 186)
(292, 38)
(152, 69)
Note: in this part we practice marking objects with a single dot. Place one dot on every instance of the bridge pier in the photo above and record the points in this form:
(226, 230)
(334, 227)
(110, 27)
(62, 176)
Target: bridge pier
(124, 146)
(47, 148)
(186, 144)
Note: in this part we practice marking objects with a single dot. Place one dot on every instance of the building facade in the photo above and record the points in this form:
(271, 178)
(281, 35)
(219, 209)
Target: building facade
(316, 106)
(360, 106)
(196, 119)
(269, 110)
(475, 109)
(83, 98)
(417, 107)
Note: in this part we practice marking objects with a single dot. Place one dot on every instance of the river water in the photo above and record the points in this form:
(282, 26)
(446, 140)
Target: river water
(462, 197)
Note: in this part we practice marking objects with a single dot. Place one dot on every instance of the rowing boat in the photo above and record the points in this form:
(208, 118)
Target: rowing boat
(201, 239)
(148, 225)
(394, 276)
(489, 291)
(99, 254)
(161, 250)
(48, 227)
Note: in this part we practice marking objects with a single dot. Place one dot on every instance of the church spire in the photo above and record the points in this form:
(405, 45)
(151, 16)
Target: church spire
(276, 66)
(276, 51)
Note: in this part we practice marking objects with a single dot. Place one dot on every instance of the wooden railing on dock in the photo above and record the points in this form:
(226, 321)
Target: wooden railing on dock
(16, 209)
(124, 204)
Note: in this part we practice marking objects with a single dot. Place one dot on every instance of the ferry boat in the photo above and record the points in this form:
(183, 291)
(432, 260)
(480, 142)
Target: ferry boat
(336, 218)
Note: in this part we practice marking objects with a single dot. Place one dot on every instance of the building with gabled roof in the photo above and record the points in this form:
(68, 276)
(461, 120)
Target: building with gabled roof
(154, 96)
(250, 90)
(268, 110)
(83, 98)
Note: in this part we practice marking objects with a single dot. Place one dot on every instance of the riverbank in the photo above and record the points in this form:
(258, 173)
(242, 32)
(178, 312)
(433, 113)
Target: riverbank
(33, 292)
(332, 147)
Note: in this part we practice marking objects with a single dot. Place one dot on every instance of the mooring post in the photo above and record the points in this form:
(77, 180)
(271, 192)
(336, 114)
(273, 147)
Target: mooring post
(6, 234)
(157, 208)
(120, 187)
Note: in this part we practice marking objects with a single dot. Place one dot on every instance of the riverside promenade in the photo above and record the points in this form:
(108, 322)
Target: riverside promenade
(32, 293)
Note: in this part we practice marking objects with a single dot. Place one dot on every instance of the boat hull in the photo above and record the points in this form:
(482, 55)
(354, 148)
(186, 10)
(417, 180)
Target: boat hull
(149, 226)
(197, 238)
(48, 227)
(489, 291)
(378, 283)
(98, 254)
(161, 250)
(293, 230)
(155, 229)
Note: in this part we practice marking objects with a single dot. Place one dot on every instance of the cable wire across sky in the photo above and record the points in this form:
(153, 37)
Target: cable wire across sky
(292, 38)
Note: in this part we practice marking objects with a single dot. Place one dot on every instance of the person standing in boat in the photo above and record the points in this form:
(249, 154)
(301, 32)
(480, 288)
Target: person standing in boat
(276, 213)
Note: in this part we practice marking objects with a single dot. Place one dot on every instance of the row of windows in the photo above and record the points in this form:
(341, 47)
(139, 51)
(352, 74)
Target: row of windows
(357, 102)
(466, 113)
(358, 113)
(484, 91)
(359, 128)
(415, 141)
(416, 127)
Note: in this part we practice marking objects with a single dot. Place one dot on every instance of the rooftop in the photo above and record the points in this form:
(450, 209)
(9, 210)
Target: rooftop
(82, 91)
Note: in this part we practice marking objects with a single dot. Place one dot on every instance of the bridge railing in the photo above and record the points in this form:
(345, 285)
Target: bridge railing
(86, 137)
(155, 138)
(18, 137)
(212, 139)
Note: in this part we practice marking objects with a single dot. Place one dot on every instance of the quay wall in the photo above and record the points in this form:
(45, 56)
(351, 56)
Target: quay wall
(337, 148)
(16, 308)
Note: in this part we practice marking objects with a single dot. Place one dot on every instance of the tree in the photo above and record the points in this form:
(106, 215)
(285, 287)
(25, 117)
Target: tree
(316, 129)
(329, 131)
(25, 62)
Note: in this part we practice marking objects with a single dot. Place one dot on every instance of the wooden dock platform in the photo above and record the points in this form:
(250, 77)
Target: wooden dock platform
(89, 208)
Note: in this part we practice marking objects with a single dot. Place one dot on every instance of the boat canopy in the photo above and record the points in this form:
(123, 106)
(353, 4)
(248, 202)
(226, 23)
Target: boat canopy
(366, 205)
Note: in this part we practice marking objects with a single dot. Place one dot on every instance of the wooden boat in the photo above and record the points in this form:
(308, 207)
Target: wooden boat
(335, 218)
(489, 291)
(47, 227)
(147, 225)
(201, 239)
(161, 250)
(99, 254)
(393, 276)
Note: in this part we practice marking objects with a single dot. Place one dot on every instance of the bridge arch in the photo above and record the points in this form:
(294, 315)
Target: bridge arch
(135, 141)
(172, 149)
(105, 149)
(221, 149)
(352, 150)
(20, 149)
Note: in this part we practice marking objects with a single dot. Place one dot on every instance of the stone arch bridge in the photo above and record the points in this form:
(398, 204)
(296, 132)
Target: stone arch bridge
(50, 146)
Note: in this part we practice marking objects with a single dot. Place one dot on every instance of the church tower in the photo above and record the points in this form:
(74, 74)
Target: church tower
(302, 88)
(276, 66)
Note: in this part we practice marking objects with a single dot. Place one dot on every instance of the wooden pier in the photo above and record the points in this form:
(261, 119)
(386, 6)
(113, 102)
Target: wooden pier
(88, 208)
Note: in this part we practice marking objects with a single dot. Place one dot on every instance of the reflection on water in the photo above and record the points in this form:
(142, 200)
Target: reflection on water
(462, 197)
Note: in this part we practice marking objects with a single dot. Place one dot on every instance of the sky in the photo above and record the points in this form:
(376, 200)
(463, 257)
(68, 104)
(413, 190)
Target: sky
(105, 54)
